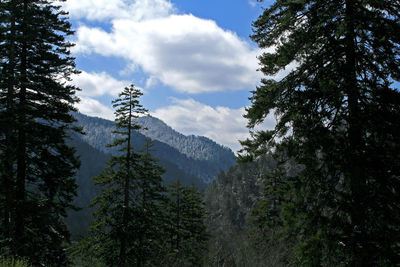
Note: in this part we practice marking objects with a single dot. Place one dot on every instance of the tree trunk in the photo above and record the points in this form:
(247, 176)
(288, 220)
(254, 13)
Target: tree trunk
(355, 171)
(123, 238)
(9, 155)
(21, 144)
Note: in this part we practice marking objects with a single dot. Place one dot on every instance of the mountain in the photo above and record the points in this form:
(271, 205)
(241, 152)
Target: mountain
(174, 156)
(196, 155)
(195, 147)
(229, 201)
(93, 161)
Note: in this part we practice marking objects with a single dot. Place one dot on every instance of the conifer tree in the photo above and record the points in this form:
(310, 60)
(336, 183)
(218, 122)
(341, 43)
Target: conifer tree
(338, 117)
(149, 198)
(186, 229)
(37, 167)
(111, 232)
(127, 227)
(195, 236)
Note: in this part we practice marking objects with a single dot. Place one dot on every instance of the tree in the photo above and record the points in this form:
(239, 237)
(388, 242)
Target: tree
(195, 237)
(125, 231)
(37, 167)
(186, 229)
(338, 117)
(150, 215)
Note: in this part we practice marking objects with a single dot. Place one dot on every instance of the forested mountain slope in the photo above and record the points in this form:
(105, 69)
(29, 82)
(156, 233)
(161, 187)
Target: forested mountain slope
(230, 202)
(93, 161)
(207, 160)
(195, 147)
(198, 156)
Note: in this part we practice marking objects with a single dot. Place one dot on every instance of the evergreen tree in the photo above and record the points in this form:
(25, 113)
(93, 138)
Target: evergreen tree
(338, 116)
(37, 167)
(126, 230)
(111, 232)
(195, 236)
(186, 229)
(150, 216)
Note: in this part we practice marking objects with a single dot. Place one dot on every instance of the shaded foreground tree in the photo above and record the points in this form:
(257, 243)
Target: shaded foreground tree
(150, 215)
(186, 236)
(338, 115)
(36, 166)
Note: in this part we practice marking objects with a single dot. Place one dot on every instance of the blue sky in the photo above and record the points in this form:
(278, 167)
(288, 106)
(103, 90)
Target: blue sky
(193, 60)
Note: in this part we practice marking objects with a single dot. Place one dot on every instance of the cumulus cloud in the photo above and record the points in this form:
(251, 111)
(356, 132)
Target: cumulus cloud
(101, 10)
(222, 124)
(97, 84)
(190, 54)
(94, 108)
(187, 53)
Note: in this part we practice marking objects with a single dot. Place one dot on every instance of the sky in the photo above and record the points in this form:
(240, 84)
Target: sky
(193, 60)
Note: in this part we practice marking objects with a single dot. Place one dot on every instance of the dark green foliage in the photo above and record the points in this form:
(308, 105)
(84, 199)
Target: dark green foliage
(11, 262)
(338, 117)
(149, 216)
(112, 231)
(37, 167)
(135, 222)
(186, 235)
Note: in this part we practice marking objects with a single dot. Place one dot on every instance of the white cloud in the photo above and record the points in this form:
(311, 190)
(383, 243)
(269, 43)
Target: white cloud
(253, 3)
(94, 108)
(222, 124)
(97, 84)
(102, 10)
(152, 81)
(188, 53)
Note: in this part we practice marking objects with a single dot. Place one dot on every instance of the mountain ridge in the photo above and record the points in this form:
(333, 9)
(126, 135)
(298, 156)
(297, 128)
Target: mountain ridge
(190, 145)
(205, 160)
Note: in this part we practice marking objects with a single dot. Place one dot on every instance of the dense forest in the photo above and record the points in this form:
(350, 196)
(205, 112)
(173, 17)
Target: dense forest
(322, 188)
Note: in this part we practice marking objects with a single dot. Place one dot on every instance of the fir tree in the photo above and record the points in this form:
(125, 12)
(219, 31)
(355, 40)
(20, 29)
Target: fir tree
(127, 226)
(195, 236)
(186, 229)
(149, 197)
(338, 116)
(37, 167)
(111, 232)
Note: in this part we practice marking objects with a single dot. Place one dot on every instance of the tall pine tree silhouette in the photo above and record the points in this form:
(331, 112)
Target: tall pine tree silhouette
(338, 117)
(37, 167)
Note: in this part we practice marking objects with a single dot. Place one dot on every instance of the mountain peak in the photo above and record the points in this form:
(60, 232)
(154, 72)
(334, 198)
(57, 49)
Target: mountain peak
(195, 147)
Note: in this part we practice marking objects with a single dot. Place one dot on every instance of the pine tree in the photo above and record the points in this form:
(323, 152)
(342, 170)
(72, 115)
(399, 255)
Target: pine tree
(150, 216)
(128, 219)
(37, 167)
(111, 231)
(338, 117)
(195, 237)
(186, 229)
